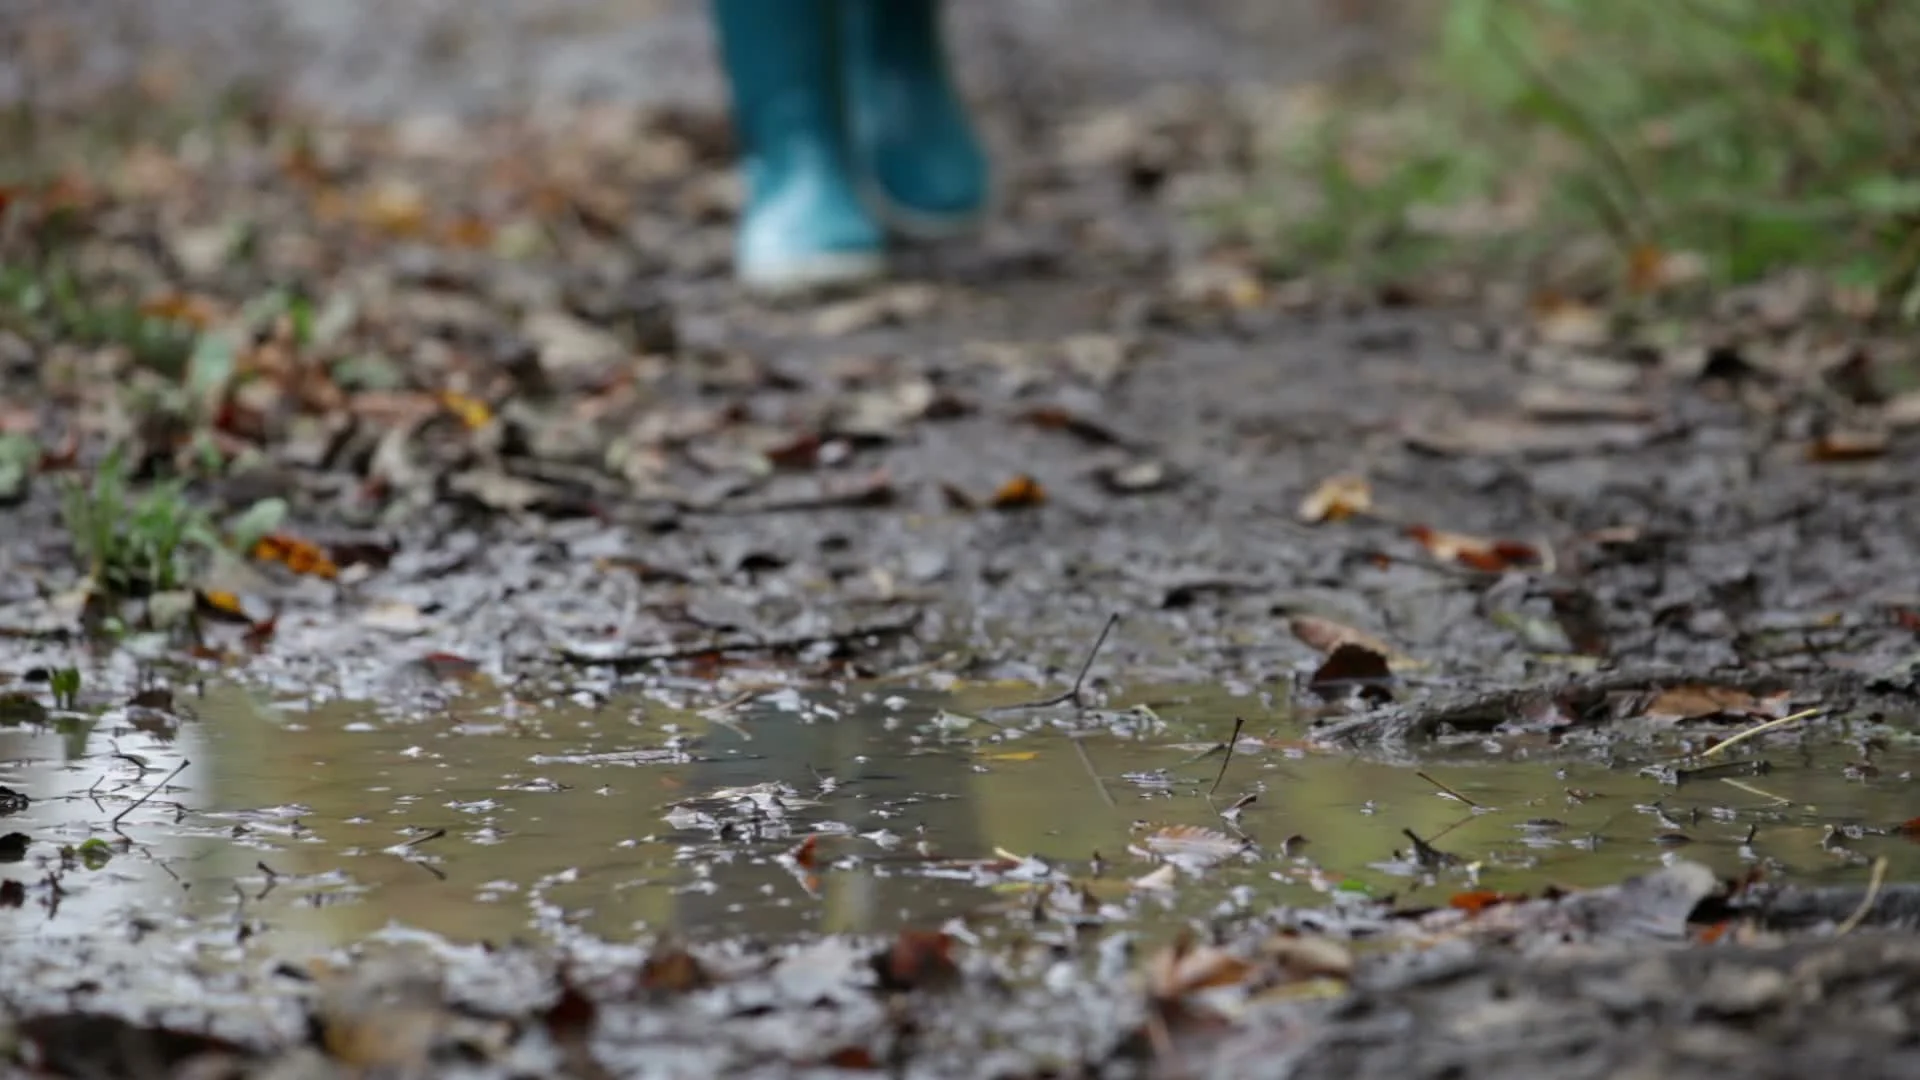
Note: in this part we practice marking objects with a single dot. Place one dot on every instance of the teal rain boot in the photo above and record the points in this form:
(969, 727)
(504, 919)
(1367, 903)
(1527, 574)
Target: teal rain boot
(804, 225)
(924, 169)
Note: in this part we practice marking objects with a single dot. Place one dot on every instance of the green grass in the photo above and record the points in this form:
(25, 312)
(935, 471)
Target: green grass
(1755, 135)
(135, 544)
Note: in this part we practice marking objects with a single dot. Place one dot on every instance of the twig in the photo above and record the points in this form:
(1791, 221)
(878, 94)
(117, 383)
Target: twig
(155, 790)
(1866, 902)
(1232, 741)
(434, 835)
(1079, 680)
(1447, 790)
(1757, 729)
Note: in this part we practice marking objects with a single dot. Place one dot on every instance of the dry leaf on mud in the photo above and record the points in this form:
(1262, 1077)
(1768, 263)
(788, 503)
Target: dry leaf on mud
(1020, 492)
(1355, 669)
(297, 555)
(1705, 702)
(1559, 320)
(1477, 552)
(1184, 968)
(1336, 499)
(1325, 635)
(1847, 446)
(1193, 847)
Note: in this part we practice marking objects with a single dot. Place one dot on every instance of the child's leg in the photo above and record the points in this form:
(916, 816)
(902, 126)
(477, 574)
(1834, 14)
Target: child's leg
(804, 224)
(925, 170)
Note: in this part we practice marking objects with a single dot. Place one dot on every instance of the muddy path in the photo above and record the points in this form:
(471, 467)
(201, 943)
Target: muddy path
(568, 524)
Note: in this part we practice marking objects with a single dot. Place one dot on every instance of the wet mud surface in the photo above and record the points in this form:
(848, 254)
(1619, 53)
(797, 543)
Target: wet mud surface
(685, 648)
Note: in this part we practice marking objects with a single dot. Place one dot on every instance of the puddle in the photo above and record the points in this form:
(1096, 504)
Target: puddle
(316, 826)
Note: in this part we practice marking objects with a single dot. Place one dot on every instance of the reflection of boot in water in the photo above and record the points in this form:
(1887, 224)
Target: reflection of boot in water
(873, 767)
(844, 109)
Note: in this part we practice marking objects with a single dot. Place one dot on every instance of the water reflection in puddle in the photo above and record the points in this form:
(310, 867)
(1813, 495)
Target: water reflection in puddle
(490, 822)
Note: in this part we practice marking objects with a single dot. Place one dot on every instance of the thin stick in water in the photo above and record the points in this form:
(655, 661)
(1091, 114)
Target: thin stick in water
(155, 790)
(1232, 741)
(1079, 680)
(1866, 902)
(1447, 790)
(1758, 729)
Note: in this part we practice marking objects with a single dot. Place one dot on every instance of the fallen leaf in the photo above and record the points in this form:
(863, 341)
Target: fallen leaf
(1147, 474)
(804, 853)
(1056, 418)
(1161, 879)
(1704, 702)
(1325, 635)
(1301, 957)
(224, 605)
(1847, 446)
(1351, 668)
(1561, 320)
(918, 960)
(1336, 499)
(1020, 492)
(1481, 554)
(673, 970)
(1194, 847)
(297, 555)
(471, 412)
(1478, 900)
(1183, 968)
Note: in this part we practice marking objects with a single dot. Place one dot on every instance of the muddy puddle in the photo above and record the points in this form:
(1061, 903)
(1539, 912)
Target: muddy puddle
(779, 815)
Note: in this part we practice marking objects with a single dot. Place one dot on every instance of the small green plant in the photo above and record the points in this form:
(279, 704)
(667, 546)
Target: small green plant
(65, 685)
(134, 545)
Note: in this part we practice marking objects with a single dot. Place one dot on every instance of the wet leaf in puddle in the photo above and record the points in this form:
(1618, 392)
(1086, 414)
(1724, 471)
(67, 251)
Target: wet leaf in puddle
(12, 893)
(12, 802)
(1352, 668)
(1161, 879)
(13, 846)
(1194, 847)
(1493, 556)
(1337, 499)
(1020, 492)
(21, 707)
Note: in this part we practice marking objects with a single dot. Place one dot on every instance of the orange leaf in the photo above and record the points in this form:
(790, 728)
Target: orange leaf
(1336, 499)
(920, 958)
(1479, 900)
(225, 605)
(1021, 491)
(804, 852)
(1910, 828)
(1847, 446)
(195, 311)
(297, 555)
(1479, 553)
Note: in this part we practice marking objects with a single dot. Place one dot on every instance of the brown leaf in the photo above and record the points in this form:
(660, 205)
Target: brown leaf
(805, 852)
(1847, 446)
(1477, 552)
(1302, 957)
(1193, 846)
(918, 959)
(1020, 492)
(1336, 499)
(1326, 635)
(673, 971)
(1184, 968)
(297, 555)
(1056, 418)
(1478, 900)
(1702, 702)
(1353, 668)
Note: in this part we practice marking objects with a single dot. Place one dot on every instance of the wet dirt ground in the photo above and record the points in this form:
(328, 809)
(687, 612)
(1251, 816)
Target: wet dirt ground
(651, 610)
